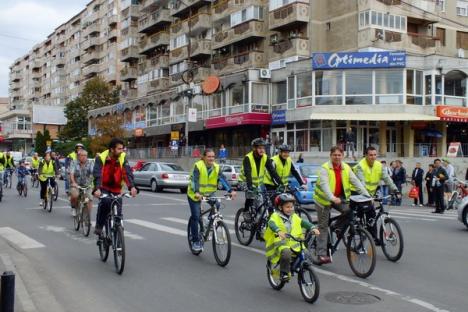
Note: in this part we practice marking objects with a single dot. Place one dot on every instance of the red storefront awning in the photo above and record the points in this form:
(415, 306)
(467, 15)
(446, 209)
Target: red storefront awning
(238, 120)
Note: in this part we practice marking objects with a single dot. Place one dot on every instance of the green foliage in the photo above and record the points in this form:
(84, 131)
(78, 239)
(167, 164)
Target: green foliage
(41, 141)
(66, 147)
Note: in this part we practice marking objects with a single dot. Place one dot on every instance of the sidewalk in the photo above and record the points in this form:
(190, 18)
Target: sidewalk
(31, 292)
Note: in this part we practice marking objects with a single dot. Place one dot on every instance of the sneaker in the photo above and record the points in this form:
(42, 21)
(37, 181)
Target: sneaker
(324, 259)
(413, 205)
(284, 277)
(197, 246)
(73, 212)
(420, 205)
(41, 203)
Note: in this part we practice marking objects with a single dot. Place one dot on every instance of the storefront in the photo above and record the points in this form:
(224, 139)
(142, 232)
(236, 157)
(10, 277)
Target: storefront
(456, 123)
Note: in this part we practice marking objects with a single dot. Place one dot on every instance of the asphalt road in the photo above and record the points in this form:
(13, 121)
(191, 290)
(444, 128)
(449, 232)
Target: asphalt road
(59, 270)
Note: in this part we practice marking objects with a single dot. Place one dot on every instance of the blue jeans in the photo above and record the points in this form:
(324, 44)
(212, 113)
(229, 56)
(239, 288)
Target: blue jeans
(384, 189)
(195, 210)
(21, 179)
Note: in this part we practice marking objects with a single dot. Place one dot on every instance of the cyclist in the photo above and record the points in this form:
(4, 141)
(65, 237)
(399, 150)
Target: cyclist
(47, 170)
(284, 168)
(253, 169)
(2, 167)
(204, 180)
(111, 170)
(9, 166)
(280, 248)
(21, 172)
(332, 190)
(68, 161)
(81, 174)
(370, 172)
(35, 163)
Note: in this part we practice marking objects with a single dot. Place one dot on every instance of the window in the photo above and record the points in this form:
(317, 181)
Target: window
(170, 167)
(178, 42)
(304, 85)
(278, 92)
(260, 96)
(178, 68)
(275, 4)
(328, 87)
(414, 86)
(441, 35)
(462, 40)
(382, 20)
(247, 14)
(389, 86)
(358, 87)
(239, 94)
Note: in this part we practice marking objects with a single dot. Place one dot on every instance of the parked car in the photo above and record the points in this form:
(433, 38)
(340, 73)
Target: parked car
(309, 175)
(231, 174)
(159, 176)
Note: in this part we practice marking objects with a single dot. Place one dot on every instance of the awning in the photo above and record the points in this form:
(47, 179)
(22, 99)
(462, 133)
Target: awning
(372, 117)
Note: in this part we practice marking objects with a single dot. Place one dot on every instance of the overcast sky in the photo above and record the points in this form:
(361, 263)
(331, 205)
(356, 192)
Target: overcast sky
(23, 23)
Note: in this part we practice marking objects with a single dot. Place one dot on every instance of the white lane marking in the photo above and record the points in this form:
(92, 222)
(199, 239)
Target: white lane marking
(421, 303)
(183, 221)
(53, 207)
(23, 295)
(19, 239)
(422, 215)
(164, 197)
(412, 218)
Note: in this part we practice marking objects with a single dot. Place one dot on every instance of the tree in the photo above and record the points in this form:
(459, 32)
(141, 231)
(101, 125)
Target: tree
(96, 93)
(41, 141)
(107, 127)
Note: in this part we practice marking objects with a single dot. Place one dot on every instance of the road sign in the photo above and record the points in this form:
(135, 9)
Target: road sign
(192, 115)
(174, 135)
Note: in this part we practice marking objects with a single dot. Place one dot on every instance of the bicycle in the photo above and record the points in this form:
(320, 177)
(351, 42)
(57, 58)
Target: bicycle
(389, 233)
(56, 191)
(47, 202)
(309, 283)
(34, 178)
(461, 190)
(360, 246)
(82, 217)
(1, 185)
(215, 226)
(22, 187)
(113, 233)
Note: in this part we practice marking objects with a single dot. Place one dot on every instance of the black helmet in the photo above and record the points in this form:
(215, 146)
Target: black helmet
(284, 148)
(283, 198)
(258, 142)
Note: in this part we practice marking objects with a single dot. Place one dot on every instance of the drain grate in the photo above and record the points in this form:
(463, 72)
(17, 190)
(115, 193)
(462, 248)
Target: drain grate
(351, 297)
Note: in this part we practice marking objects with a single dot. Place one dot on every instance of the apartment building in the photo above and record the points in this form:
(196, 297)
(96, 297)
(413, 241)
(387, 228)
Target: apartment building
(55, 70)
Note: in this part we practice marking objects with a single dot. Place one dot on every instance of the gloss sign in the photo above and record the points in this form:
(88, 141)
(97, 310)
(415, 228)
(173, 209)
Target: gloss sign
(346, 60)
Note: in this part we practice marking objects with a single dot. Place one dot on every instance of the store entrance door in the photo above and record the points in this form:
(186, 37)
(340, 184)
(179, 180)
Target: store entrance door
(278, 136)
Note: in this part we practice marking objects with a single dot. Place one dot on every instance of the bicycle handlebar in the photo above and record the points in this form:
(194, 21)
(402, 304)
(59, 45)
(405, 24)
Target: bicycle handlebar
(227, 196)
(113, 196)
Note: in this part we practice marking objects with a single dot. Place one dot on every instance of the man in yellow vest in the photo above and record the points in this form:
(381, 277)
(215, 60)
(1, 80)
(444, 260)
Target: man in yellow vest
(47, 170)
(9, 166)
(280, 248)
(72, 157)
(370, 172)
(254, 166)
(203, 181)
(332, 190)
(2, 169)
(111, 170)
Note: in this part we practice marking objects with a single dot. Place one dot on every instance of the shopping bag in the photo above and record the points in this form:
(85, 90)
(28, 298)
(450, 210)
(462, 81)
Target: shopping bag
(414, 192)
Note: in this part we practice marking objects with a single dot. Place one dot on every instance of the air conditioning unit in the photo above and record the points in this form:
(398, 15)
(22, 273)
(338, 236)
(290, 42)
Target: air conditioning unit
(274, 39)
(197, 89)
(461, 53)
(265, 73)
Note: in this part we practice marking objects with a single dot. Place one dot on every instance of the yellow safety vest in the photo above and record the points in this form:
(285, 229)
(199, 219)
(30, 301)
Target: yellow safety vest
(9, 161)
(103, 156)
(2, 161)
(208, 183)
(48, 170)
(257, 174)
(72, 155)
(372, 175)
(274, 244)
(319, 194)
(284, 171)
(35, 163)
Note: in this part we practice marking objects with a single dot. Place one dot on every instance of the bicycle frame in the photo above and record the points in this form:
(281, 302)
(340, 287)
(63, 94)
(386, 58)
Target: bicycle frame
(214, 216)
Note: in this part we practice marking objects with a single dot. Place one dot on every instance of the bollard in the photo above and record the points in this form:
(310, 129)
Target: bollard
(7, 292)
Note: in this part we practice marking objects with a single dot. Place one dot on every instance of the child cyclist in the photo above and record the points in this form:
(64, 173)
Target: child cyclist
(284, 222)
(21, 172)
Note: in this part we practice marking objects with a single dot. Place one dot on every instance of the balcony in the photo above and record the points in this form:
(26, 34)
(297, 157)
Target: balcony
(153, 21)
(201, 73)
(291, 14)
(252, 29)
(291, 47)
(128, 94)
(178, 55)
(180, 7)
(17, 131)
(128, 73)
(200, 48)
(91, 56)
(92, 69)
(91, 29)
(224, 8)
(36, 74)
(130, 53)
(161, 61)
(132, 10)
(199, 23)
(253, 59)
(58, 61)
(114, 33)
(37, 63)
(176, 79)
(114, 19)
(161, 84)
(148, 5)
(148, 44)
(15, 76)
(130, 32)
(91, 42)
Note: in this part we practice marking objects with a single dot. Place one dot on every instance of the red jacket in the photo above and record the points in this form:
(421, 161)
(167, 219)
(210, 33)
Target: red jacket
(111, 175)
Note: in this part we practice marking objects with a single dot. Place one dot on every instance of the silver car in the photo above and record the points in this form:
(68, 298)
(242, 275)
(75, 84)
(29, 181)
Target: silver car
(231, 174)
(159, 176)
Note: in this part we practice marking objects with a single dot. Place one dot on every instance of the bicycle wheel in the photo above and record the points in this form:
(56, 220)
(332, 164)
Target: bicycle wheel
(10, 179)
(77, 218)
(308, 284)
(103, 244)
(85, 221)
(119, 249)
(245, 229)
(312, 246)
(50, 199)
(452, 200)
(221, 243)
(273, 275)
(190, 238)
(25, 190)
(360, 251)
(391, 239)
(56, 191)
(20, 190)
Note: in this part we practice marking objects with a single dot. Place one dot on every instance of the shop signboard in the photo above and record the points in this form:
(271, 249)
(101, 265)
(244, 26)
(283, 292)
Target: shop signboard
(452, 113)
(174, 135)
(192, 115)
(347, 60)
(238, 120)
(455, 150)
(278, 117)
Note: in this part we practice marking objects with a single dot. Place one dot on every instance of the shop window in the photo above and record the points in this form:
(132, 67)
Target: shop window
(278, 92)
(455, 88)
(304, 85)
(260, 96)
(291, 92)
(328, 87)
(302, 125)
(389, 86)
(239, 95)
(358, 87)
(314, 140)
(414, 86)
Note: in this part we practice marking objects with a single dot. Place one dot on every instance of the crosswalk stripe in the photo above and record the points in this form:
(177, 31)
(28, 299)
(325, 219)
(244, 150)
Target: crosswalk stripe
(19, 239)
(422, 216)
(183, 221)
(412, 218)
(158, 227)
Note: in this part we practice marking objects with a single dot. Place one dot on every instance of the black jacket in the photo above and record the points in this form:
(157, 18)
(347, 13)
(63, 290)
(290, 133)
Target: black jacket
(417, 177)
(400, 177)
(441, 174)
(268, 166)
(428, 178)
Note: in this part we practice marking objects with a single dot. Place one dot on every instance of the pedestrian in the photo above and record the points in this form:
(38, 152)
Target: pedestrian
(428, 178)
(383, 186)
(438, 181)
(417, 179)
(399, 177)
(350, 139)
(300, 159)
(222, 154)
(268, 145)
(448, 188)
